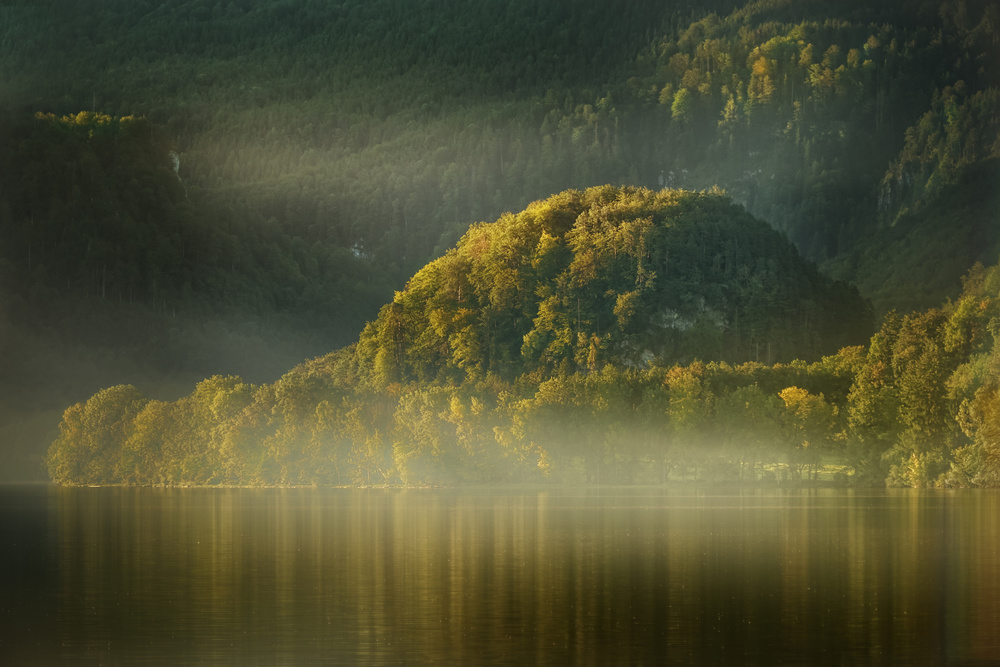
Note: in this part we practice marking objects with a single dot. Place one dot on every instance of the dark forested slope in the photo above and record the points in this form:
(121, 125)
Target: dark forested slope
(93, 207)
(326, 151)
(388, 127)
(939, 206)
(113, 269)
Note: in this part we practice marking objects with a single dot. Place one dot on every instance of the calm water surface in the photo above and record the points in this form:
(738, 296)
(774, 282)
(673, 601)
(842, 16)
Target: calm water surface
(597, 576)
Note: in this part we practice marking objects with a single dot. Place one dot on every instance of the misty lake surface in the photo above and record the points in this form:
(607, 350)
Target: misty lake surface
(498, 576)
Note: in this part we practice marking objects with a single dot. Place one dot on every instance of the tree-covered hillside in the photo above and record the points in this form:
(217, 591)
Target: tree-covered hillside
(939, 205)
(324, 152)
(388, 127)
(112, 269)
(613, 275)
(587, 296)
(92, 207)
(919, 406)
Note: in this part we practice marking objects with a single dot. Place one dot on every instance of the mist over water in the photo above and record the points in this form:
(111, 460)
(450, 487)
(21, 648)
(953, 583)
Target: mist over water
(596, 576)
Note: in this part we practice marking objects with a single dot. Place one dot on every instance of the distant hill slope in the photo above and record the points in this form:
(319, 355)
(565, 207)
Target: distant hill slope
(92, 206)
(625, 276)
(939, 207)
(327, 151)
(113, 269)
(384, 127)
(915, 263)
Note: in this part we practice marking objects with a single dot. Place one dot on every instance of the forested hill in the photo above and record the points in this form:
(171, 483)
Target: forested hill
(624, 276)
(388, 126)
(93, 208)
(919, 407)
(324, 152)
(113, 268)
(604, 289)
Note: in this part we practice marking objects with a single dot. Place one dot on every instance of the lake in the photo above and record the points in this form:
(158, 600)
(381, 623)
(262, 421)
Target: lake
(499, 576)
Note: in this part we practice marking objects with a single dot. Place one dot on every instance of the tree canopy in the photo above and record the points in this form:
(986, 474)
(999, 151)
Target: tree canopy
(238, 185)
(917, 406)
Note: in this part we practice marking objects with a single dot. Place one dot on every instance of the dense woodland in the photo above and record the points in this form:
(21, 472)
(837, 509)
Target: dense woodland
(389, 127)
(191, 188)
(435, 393)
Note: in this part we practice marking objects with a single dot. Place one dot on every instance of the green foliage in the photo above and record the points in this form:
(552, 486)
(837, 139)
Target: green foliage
(918, 407)
(383, 128)
(326, 151)
(637, 278)
(957, 132)
(98, 210)
(92, 444)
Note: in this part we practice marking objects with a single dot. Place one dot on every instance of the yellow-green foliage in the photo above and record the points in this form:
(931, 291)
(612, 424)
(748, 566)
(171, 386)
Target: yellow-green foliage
(330, 149)
(535, 350)
(625, 276)
(919, 407)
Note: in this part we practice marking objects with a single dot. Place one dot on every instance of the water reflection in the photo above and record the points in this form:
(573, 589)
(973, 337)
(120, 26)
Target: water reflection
(587, 577)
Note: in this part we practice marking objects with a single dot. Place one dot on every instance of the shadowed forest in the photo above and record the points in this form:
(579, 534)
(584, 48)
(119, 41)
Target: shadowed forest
(780, 283)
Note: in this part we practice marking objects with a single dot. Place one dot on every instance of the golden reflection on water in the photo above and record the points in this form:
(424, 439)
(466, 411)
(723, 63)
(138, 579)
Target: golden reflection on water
(624, 576)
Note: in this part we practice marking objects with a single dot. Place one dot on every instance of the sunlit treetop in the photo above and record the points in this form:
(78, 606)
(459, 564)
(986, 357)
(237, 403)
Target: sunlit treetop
(626, 276)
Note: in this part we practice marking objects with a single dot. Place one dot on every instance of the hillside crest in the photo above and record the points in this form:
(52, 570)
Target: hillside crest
(619, 275)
